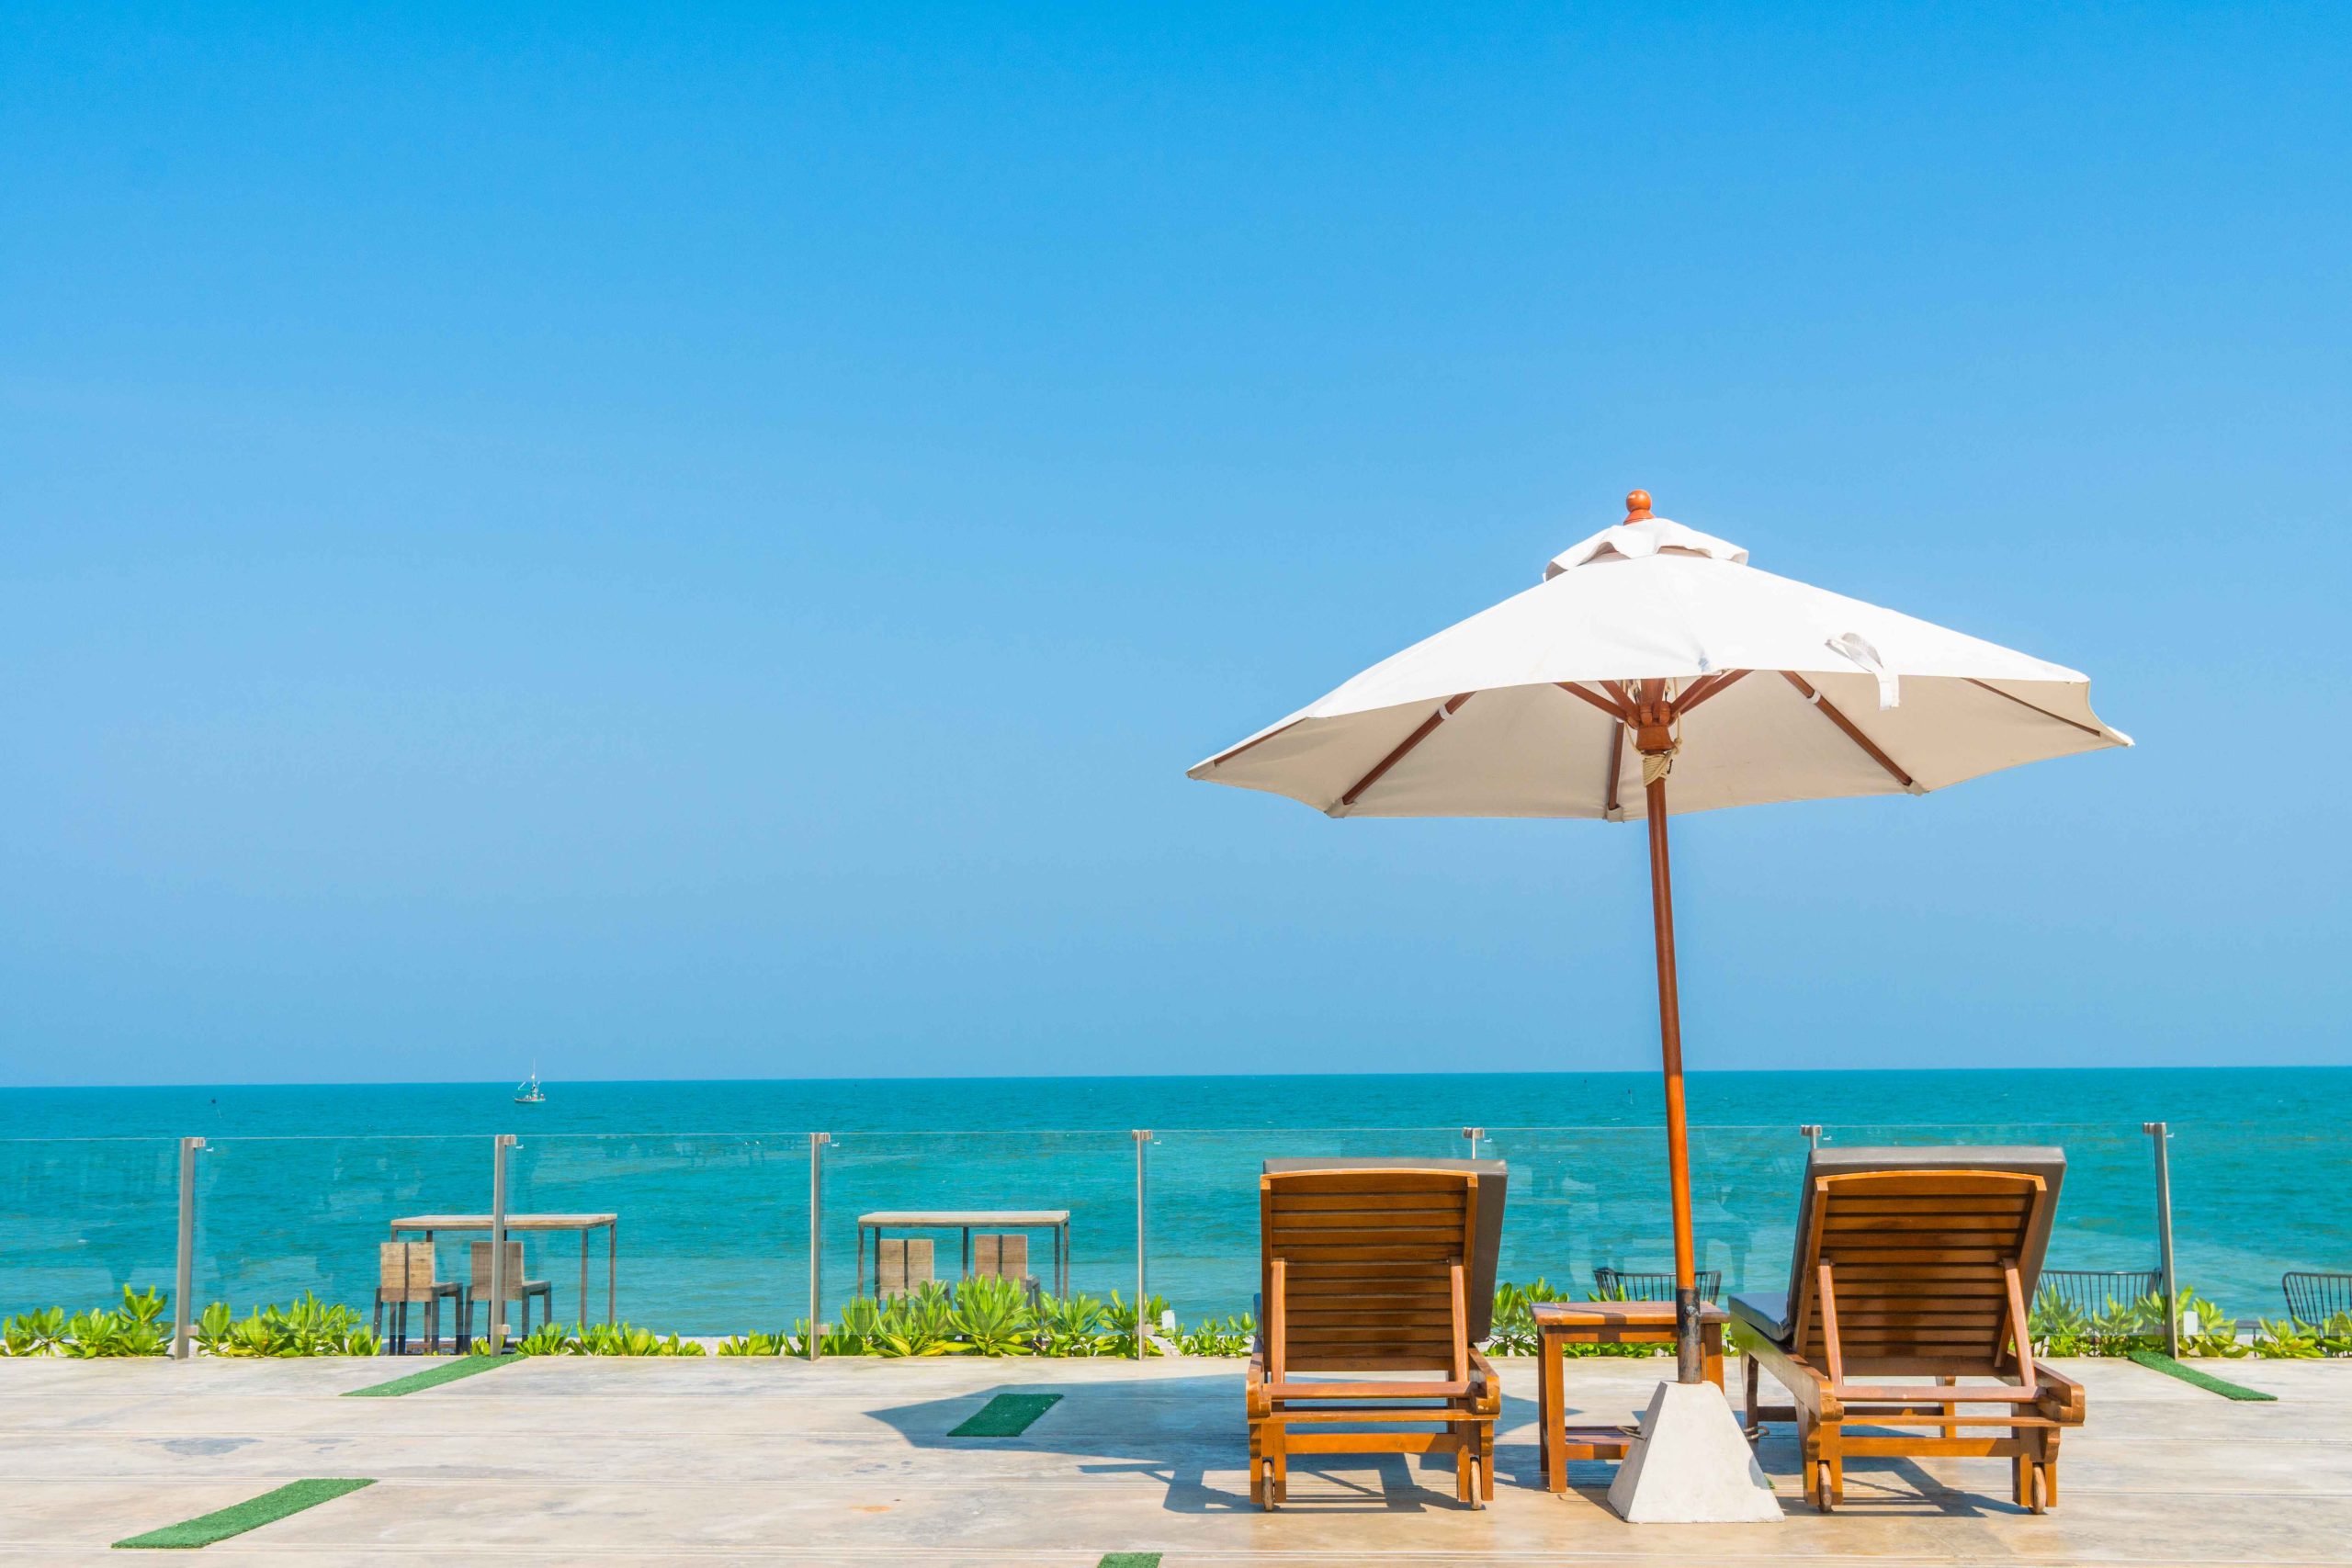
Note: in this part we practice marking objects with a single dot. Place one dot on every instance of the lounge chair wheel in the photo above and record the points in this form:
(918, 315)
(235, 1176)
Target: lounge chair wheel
(1823, 1498)
(2037, 1500)
(1266, 1487)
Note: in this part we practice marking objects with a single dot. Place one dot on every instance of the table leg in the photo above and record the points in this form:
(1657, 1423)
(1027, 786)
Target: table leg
(1552, 1415)
(612, 1269)
(968, 1253)
(584, 1276)
(1711, 1352)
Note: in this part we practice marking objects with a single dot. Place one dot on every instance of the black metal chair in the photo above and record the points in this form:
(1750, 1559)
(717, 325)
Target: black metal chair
(1618, 1285)
(2088, 1290)
(2314, 1298)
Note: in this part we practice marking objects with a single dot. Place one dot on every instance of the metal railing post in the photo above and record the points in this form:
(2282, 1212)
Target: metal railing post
(1475, 1135)
(499, 1145)
(817, 1142)
(1142, 1137)
(184, 1273)
(2160, 1134)
(1812, 1131)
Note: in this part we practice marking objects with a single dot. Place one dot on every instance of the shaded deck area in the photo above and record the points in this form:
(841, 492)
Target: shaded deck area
(603, 1460)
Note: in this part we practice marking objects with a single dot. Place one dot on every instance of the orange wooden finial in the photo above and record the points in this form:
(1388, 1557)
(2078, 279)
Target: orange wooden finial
(1637, 506)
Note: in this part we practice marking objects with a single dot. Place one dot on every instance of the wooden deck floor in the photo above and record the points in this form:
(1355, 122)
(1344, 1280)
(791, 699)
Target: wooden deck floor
(576, 1461)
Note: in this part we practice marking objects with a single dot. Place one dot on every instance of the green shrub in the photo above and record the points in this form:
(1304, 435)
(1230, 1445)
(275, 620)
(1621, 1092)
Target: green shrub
(1213, 1336)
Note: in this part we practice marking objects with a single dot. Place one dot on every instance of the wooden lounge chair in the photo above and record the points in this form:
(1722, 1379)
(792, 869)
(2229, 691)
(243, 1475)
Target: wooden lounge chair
(1376, 1267)
(1916, 1263)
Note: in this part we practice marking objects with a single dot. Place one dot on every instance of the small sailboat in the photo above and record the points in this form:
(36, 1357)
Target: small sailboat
(528, 1091)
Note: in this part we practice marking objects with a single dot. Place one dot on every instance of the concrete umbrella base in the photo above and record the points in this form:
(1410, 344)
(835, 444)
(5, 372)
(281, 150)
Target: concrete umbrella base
(1691, 1465)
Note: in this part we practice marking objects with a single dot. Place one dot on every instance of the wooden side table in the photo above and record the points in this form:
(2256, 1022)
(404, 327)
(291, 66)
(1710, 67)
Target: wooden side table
(1560, 1324)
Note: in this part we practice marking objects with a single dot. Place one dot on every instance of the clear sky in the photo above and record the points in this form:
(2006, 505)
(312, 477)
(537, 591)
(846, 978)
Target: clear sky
(700, 541)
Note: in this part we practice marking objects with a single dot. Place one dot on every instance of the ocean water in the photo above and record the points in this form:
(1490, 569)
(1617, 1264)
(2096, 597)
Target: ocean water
(712, 1180)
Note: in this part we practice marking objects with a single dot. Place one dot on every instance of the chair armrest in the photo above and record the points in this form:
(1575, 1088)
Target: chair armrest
(2063, 1399)
(1485, 1388)
(1807, 1384)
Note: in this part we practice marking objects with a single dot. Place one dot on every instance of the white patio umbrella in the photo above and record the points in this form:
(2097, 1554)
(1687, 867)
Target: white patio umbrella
(1652, 652)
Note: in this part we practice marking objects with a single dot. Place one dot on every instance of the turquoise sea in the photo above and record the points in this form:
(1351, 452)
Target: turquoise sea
(712, 1180)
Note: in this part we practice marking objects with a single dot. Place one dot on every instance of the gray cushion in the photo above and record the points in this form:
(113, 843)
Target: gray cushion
(1767, 1312)
(1494, 1181)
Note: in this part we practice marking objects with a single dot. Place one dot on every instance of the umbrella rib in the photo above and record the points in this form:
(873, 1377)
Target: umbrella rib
(1595, 698)
(1224, 757)
(1853, 733)
(1446, 710)
(1707, 687)
(2030, 707)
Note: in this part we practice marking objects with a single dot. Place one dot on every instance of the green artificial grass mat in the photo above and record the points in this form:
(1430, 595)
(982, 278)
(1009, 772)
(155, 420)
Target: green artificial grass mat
(252, 1513)
(2157, 1361)
(1129, 1559)
(450, 1371)
(1006, 1415)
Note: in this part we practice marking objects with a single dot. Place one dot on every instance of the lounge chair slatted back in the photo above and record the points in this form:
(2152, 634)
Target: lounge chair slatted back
(1923, 1264)
(1373, 1259)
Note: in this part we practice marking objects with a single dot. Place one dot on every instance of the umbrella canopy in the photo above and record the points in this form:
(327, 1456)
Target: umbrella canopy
(1648, 652)
(1784, 692)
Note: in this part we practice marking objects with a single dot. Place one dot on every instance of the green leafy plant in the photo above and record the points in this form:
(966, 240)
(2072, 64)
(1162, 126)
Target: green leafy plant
(1070, 1326)
(1119, 1323)
(1514, 1317)
(2217, 1331)
(548, 1339)
(2287, 1339)
(994, 1318)
(38, 1333)
(921, 1323)
(306, 1327)
(1219, 1336)
(212, 1326)
(756, 1345)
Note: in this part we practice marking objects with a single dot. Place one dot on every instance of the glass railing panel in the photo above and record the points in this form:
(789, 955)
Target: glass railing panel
(689, 1233)
(1588, 1199)
(1203, 1201)
(2107, 1207)
(280, 1219)
(82, 1218)
(2251, 1201)
(1041, 1177)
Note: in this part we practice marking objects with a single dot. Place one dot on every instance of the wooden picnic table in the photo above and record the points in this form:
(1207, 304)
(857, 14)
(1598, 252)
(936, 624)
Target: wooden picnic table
(1056, 1220)
(584, 1224)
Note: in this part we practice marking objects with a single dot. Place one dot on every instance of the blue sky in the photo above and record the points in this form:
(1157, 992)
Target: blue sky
(702, 544)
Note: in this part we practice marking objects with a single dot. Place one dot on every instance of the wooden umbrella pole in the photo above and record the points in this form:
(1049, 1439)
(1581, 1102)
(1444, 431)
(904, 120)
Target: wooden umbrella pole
(1677, 1134)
